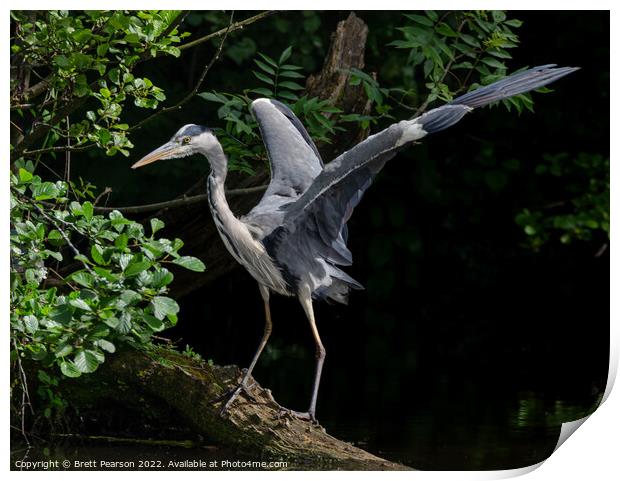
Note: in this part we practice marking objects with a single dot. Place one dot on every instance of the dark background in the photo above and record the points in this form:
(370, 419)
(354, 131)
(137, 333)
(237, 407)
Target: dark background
(468, 349)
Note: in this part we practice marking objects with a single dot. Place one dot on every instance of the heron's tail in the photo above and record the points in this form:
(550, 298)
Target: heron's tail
(447, 115)
(515, 84)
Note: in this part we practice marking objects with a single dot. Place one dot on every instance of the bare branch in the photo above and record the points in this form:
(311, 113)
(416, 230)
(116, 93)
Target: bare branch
(183, 201)
(63, 148)
(37, 89)
(191, 94)
(230, 28)
(106, 191)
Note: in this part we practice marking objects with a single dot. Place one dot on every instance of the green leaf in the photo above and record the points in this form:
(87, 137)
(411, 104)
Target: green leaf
(285, 55)
(498, 16)
(191, 263)
(422, 20)
(69, 369)
(106, 274)
(63, 350)
(24, 175)
(85, 361)
(80, 304)
(291, 74)
(44, 191)
(61, 61)
(102, 49)
(106, 345)
(99, 255)
(55, 238)
(83, 278)
(88, 210)
(263, 77)
(263, 91)
(121, 241)
(154, 323)
(156, 224)
(445, 29)
(285, 94)
(164, 306)
(513, 23)
(492, 62)
(269, 60)
(290, 85)
(31, 323)
(432, 15)
(162, 278)
(290, 67)
(136, 267)
(264, 67)
(112, 322)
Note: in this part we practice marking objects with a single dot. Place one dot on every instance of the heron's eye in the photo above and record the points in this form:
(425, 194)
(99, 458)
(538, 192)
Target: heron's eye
(187, 140)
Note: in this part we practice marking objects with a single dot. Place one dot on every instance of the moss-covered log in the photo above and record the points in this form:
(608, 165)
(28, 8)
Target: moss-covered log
(187, 388)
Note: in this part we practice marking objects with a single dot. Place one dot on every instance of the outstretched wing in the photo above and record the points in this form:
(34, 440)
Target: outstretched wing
(294, 159)
(316, 222)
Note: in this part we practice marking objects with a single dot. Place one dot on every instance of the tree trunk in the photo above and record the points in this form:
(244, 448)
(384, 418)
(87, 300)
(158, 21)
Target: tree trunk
(188, 388)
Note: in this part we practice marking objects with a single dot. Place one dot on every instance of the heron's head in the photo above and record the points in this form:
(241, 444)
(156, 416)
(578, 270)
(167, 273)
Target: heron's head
(190, 139)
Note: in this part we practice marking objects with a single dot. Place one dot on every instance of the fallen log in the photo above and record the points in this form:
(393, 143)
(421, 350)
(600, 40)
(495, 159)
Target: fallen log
(191, 389)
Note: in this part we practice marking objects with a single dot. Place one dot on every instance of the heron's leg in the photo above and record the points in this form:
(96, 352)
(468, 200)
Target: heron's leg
(243, 386)
(305, 298)
(266, 333)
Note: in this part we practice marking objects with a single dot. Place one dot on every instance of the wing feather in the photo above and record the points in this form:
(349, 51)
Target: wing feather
(294, 160)
(318, 217)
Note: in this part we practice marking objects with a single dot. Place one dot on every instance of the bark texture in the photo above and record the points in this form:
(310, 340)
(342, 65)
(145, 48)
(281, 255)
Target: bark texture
(188, 388)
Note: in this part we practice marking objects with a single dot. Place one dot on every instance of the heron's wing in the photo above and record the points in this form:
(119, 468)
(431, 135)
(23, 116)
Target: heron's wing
(317, 220)
(295, 160)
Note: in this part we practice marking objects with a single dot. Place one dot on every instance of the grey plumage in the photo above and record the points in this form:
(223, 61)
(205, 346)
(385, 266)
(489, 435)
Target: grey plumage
(294, 239)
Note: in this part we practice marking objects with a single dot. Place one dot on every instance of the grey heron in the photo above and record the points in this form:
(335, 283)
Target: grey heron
(292, 241)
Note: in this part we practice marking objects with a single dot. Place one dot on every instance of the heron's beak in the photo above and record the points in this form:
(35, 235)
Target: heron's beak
(166, 151)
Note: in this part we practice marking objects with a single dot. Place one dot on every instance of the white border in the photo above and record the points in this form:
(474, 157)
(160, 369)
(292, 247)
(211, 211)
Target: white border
(592, 453)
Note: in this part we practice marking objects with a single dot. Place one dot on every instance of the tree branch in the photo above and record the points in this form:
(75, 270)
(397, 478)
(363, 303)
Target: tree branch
(231, 28)
(37, 89)
(191, 94)
(446, 70)
(183, 201)
(64, 235)
(62, 148)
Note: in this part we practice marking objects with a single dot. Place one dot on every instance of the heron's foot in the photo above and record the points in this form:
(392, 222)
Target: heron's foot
(231, 395)
(304, 416)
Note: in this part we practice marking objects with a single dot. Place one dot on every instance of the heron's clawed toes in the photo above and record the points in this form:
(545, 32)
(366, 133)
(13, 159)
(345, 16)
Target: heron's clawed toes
(229, 396)
(304, 416)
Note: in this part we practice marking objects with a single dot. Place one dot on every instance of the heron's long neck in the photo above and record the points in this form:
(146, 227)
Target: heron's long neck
(215, 185)
(225, 221)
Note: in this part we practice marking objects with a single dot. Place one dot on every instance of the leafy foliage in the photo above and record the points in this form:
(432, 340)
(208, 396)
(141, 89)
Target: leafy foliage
(240, 136)
(471, 42)
(89, 55)
(116, 295)
(583, 215)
